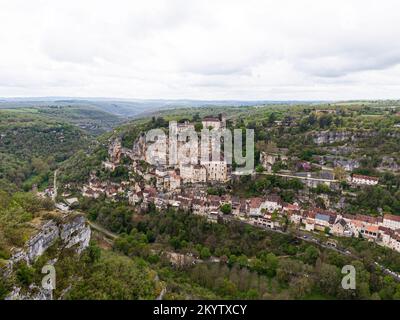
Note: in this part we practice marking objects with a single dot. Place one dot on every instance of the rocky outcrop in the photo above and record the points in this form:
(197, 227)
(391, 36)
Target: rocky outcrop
(75, 232)
(34, 293)
(114, 151)
(139, 148)
(179, 260)
(328, 137)
(389, 164)
(42, 241)
(70, 229)
(64, 230)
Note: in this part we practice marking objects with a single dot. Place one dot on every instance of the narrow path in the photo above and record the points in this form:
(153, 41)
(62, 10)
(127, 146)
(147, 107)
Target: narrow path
(102, 230)
(162, 294)
(55, 186)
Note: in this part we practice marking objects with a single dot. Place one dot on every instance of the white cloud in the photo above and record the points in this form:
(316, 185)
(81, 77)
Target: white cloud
(200, 49)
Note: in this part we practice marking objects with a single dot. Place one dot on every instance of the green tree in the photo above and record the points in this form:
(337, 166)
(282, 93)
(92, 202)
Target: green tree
(205, 253)
(311, 255)
(25, 274)
(226, 208)
(198, 126)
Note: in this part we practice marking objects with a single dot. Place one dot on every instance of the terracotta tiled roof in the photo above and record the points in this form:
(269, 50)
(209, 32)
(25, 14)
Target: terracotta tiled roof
(368, 219)
(359, 176)
(391, 217)
(385, 230)
(310, 214)
(255, 202)
(211, 119)
(372, 228)
(274, 198)
(291, 207)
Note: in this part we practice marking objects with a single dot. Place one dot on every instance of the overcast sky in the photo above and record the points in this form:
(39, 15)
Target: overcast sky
(275, 50)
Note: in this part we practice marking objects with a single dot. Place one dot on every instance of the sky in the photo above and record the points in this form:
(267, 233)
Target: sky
(208, 50)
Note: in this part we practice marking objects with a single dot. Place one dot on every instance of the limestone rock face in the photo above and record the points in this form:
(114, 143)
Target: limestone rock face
(114, 151)
(329, 137)
(389, 163)
(71, 230)
(34, 293)
(139, 148)
(75, 232)
(68, 231)
(38, 244)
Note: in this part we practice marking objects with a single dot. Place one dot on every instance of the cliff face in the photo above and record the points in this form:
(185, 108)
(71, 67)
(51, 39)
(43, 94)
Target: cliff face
(39, 243)
(75, 233)
(68, 231)
(328, 137)
(71, 230)
(34, 293)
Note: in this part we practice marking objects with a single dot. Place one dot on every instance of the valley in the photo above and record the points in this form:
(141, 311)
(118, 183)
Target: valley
(324, 193)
